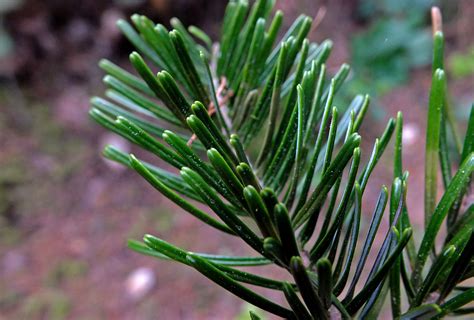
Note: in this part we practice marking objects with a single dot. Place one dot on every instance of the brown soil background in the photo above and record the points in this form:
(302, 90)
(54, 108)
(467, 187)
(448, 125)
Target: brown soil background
(68, 214)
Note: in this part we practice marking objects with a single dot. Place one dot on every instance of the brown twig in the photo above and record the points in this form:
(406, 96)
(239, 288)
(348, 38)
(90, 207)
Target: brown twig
(222, 100)
(319, 18)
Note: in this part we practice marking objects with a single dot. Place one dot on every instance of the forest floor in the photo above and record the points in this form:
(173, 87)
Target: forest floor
(67, 213)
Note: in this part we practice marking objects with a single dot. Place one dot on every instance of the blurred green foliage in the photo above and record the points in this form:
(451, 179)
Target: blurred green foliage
(64, 270)
(411, 9)
(397, 39)
(461, 64)
(6, 42)
(46, 304)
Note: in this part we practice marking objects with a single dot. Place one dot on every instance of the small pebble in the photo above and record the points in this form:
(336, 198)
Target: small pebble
(119, 143)
(140, 282)
(411, 134)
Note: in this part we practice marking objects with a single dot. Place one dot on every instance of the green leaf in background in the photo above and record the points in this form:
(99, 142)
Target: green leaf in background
(461, 64)
(396, 41)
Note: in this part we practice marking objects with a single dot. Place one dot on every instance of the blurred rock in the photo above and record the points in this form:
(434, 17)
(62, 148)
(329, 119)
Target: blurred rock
(139, 283)
(117, 142)
(411, 134)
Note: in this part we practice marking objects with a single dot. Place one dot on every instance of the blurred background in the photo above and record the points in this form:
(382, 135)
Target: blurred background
(65, 213)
